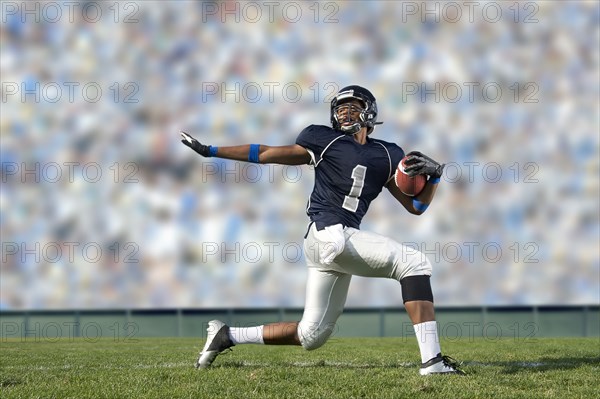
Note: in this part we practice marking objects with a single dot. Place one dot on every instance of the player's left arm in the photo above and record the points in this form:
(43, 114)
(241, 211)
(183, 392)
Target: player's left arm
(415, 205)
(418, 164)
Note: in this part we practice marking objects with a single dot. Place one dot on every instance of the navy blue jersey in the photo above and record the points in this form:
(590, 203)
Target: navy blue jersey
(348, 175)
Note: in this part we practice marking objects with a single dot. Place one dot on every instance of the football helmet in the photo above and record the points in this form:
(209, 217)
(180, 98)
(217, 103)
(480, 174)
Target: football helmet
(367, 116)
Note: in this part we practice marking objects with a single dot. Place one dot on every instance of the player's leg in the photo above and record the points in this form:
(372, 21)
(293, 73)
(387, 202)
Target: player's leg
(372, 255)
(326, 294)
(418, 301)
(326, 289)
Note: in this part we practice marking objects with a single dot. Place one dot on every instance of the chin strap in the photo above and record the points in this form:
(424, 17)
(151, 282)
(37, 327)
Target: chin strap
(360, 125)
(351, 130)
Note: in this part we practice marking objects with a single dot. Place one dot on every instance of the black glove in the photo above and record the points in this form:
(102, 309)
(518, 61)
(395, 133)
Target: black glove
(195, 145)
(420, 164)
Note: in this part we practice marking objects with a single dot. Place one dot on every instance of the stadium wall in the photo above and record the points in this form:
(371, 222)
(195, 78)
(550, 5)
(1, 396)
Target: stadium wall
(491, 323)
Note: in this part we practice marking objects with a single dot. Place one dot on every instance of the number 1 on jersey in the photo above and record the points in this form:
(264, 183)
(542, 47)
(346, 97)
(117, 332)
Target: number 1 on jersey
(358, 181)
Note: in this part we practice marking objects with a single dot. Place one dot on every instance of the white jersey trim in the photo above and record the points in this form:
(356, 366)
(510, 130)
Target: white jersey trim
(325, 149)
(312, 155)
(390, 160)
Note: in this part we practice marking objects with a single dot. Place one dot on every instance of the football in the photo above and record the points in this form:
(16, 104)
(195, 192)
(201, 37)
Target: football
(410, 186)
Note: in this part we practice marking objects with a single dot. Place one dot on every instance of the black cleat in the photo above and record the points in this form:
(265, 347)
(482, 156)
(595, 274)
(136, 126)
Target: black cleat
(217, 341)
(441, 365)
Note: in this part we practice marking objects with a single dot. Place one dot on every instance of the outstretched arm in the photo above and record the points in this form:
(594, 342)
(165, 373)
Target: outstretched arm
(257, 153)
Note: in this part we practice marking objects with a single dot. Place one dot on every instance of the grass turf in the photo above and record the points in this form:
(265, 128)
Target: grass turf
(343, 368)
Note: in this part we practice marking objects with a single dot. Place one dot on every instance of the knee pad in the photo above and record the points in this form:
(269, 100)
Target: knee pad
(314, 336)
(416, 288)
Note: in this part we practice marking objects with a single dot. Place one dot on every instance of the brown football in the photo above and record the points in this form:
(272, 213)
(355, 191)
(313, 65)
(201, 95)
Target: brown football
(410, 186)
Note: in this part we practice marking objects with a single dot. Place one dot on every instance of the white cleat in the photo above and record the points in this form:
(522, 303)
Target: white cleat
(441, 365)
(217, 340)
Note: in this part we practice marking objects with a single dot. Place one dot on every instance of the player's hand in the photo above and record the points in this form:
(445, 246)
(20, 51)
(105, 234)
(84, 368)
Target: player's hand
(420, 164)
(195, 145)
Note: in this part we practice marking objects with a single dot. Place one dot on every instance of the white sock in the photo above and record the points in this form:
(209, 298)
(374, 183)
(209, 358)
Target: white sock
(246, 335)
(427, 337)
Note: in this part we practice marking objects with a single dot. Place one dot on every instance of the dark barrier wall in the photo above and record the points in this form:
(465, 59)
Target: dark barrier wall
(472, 322)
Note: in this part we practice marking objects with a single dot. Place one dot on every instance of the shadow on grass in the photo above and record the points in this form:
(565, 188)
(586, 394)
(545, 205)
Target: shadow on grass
(536, 365)
(10, 382)
(539, 365)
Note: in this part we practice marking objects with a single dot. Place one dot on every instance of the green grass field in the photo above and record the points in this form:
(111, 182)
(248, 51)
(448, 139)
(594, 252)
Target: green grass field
(343, 368)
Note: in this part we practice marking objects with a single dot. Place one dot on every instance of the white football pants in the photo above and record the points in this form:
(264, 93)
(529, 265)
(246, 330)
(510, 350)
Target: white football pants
(333, 255)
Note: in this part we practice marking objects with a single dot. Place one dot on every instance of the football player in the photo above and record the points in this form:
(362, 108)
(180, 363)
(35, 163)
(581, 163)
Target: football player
(351, 169)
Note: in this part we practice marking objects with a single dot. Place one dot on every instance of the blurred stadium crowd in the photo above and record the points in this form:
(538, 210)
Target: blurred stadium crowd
(102, 207)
